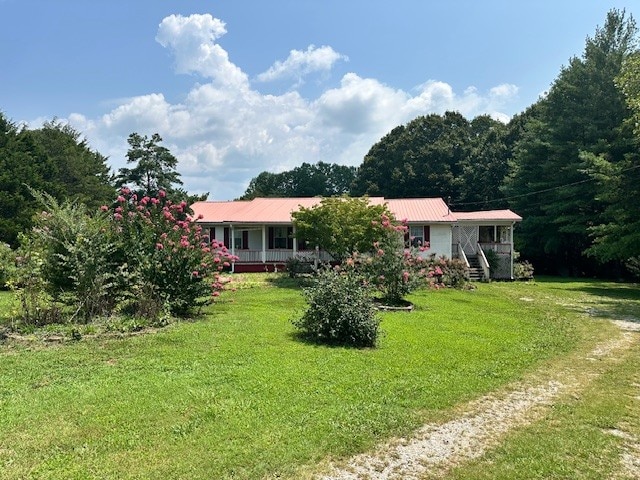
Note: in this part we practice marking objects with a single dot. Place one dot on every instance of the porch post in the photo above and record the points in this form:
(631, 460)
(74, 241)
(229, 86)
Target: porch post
(264, 244)
(232, 239)
(295, 242)
(511, 245)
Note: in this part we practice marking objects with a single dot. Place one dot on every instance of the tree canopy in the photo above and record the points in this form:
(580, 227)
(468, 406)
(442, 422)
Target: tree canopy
(308, 180)
(54, 159)
(341, 225)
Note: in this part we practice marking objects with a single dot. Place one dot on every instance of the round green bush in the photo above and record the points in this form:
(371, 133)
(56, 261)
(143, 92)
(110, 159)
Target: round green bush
(340, 311)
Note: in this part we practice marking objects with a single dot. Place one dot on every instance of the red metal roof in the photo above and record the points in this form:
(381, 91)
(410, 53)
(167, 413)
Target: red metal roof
(421, 210)
(489, 215)
(278, 210)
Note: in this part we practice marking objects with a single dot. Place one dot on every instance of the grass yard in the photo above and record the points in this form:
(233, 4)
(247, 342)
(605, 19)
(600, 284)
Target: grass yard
(235, 395)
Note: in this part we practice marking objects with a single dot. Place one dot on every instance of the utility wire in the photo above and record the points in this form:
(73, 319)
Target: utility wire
(558, 187)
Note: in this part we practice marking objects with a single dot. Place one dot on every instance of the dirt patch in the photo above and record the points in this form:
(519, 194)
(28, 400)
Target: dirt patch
(435, 448)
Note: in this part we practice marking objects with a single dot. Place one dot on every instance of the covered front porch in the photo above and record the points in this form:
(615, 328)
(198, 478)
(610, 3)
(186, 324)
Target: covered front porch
(263, 247)
(486, 249)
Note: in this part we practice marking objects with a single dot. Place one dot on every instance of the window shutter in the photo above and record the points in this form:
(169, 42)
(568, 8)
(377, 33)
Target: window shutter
(427, 234)
(245, 239)
(290, 238)
(407, 236)
(227, 243)
(271, 238)
(212, 234)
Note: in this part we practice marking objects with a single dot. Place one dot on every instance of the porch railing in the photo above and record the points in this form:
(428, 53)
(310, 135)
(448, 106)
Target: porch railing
(484, 263)
(496, 247)
(277, 256)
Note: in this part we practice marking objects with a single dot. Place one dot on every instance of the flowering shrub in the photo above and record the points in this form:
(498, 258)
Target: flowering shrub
(142, 257)
(340, 311)
(390, 267)
(162, 255)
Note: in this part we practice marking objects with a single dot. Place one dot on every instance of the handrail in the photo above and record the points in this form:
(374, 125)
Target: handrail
(484, 263)
(463, 255)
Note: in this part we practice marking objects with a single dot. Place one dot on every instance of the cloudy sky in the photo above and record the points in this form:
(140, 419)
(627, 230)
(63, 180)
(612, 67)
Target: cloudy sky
(236, 87)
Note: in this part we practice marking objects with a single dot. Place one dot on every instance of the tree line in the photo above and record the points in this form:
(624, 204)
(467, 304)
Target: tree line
(569, 164)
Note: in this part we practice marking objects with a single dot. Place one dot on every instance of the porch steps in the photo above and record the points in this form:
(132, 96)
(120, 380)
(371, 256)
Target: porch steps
(476, 274)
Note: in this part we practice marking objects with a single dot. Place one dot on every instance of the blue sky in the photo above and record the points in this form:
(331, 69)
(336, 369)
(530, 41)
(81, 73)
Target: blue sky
(236, 87)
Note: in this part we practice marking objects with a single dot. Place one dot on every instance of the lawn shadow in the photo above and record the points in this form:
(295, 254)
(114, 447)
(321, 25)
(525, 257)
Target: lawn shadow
(619, 301)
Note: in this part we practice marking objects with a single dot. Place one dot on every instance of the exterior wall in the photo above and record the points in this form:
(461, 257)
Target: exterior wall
(440, 241)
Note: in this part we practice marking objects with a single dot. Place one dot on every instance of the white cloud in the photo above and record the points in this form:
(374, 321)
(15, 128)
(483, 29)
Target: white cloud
(226, 132)
(192, 41)
(300, 63)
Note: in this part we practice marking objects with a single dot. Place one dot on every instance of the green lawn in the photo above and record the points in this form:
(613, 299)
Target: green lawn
(235, 395)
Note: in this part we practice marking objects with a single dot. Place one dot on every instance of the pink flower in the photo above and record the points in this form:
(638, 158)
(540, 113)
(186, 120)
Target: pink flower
(125, 190)
(104, 208)
(159, 246)
(118, 210)
(216, 294)
(162, 194)
(380, 252)
(155, 201)
(121, 199)
(195, 273)
(405, 276)
(200, 216)
(117, 216)
(183, 204)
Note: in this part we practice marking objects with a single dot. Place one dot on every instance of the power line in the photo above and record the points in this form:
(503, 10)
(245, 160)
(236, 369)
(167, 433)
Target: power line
(558, 187)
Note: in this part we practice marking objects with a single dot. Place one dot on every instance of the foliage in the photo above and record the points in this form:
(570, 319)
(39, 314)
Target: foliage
(7, 265)
(142, 258)
(392, 268)
(523, 270)
(438, 156)
(492, 260)
(454, 272)
(340, 311)
(317, 180)
(54, 159)
(299, 265)
(581, 117)
(154, 170)
(340, 226)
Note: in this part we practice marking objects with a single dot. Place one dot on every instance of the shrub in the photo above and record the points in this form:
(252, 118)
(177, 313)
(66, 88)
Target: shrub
(523, 270)
(454, 272)
(7, 265)
(390, 268)
(142, 258)
(300, 265)
(340, 311)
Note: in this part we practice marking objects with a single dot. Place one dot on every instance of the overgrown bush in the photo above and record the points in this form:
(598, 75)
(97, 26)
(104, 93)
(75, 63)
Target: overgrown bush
(340, 311)
(300, 265)
(142, 258)
(7, 265)
(523, 270)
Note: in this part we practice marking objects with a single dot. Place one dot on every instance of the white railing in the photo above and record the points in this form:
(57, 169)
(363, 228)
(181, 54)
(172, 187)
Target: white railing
(496, 247)
(463, 255)
(278, 256)
(483, 263)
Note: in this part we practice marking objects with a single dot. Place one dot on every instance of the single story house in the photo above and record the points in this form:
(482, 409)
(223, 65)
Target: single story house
(261, 234)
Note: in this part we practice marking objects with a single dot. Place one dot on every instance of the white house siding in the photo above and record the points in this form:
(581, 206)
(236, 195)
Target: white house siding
(440, 240)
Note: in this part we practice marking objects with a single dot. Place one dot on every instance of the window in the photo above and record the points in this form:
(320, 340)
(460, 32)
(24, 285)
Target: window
(419, 235)
(416, 235)
(280, 237)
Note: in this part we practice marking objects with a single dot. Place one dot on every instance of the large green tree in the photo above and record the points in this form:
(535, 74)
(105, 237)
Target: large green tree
(155, 166)
(341, 225)
(438, 156)
(54, 159)
(617, 237)
(582, 114)
(307, 180)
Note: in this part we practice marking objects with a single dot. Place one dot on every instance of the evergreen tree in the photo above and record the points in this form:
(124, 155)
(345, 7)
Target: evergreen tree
(582, 113)
(155, 167)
